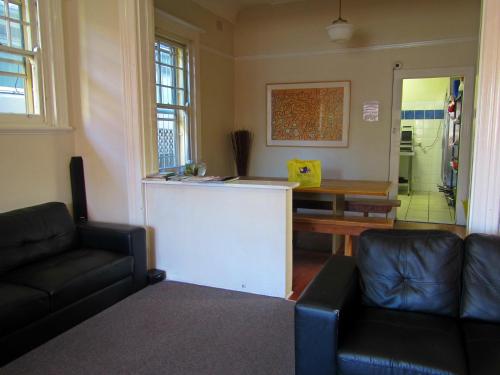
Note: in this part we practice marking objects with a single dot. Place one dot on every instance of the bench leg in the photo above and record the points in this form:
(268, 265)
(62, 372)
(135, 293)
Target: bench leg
(337, 209)
(348, 246)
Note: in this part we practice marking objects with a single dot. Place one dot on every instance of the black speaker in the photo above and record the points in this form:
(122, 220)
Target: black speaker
(78, 190)
(155, 276)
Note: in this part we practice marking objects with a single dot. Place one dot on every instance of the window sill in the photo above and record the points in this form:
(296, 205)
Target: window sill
(36, 129)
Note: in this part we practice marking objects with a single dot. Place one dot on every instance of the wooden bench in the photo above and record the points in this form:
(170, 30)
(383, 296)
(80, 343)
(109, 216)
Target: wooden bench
(365, 206)
(348, 226)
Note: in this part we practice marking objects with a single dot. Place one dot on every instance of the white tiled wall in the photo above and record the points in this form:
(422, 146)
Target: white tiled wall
(428, 157)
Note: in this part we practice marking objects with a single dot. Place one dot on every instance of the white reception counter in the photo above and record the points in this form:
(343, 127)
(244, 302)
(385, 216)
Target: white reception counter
(235, 235)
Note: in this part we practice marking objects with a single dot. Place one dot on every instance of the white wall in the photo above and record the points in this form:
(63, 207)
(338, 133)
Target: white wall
(94, 62)
(288, 43)
(209, 242)
(34, 168)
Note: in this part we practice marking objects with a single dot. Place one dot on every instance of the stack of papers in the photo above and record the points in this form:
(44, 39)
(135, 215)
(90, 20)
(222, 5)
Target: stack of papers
(203, 178)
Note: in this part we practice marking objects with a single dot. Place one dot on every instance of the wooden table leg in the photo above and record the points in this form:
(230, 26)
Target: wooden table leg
(338, 209)
(348, 246)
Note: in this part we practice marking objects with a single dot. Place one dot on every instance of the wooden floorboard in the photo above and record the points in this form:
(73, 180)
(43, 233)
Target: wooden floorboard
(306, 265)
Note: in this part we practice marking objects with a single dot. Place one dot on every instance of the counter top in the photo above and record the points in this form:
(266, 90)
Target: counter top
(255, 184)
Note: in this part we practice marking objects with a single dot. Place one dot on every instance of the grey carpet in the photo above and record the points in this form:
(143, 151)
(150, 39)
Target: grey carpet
(175, 329)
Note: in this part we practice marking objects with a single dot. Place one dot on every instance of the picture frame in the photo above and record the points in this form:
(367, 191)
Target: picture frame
(308, 114)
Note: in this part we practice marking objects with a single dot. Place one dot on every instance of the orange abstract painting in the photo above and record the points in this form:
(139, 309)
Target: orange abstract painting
(310, 116)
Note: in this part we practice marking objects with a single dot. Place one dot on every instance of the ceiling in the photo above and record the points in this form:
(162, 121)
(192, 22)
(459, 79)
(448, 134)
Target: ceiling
(229, 9)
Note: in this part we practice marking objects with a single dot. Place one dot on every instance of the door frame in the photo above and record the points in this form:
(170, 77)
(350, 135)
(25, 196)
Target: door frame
(465, 131)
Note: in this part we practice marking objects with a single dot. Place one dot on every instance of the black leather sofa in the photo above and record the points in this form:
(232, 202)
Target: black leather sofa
(54, 274)
(411, 302)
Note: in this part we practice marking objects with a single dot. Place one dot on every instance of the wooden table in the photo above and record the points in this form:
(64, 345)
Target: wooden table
(335, 190)
(349, 187)
(338, 186)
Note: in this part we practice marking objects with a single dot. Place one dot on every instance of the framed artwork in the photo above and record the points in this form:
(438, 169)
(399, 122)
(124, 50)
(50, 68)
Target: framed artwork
(308, 114)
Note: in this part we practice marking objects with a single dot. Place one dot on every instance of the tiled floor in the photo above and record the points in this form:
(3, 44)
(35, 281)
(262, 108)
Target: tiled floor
(426, 207)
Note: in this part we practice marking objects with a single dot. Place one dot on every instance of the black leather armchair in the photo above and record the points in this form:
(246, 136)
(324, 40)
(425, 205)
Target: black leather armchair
(54, 274)
(412, 302)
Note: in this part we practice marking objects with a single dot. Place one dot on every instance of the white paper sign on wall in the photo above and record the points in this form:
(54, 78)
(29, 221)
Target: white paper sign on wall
(370, 111)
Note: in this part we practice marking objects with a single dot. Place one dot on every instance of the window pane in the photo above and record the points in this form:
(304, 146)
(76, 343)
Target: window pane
(14, 11)
(12, 56)
(167, 143)
(11, 63)
(168, 96)
(12, 98)
(3, 32)
(167, 76)
(19, 91)
(166, 58)
(166, 48)
(166, 113)
(184, 145)
(16, 35)
(11, 67)
(11, 84)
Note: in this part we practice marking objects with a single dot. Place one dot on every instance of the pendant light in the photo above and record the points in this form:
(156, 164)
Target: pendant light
(340, 29)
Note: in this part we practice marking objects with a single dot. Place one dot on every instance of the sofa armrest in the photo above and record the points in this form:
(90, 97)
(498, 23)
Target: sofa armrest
(327, 303)
(126, 239)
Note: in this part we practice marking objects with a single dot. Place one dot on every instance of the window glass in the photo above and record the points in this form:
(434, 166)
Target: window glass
(16, 35)
(18, 62)
(14, 11)
(3, 32)
(172, 104)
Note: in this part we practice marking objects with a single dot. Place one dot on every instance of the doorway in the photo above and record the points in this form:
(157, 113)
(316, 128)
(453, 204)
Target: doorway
(430, 144)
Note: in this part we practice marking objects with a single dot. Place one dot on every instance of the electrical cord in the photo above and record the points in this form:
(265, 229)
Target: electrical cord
(426, 148)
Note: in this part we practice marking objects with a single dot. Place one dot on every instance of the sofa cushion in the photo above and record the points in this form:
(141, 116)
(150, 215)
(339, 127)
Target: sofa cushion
(73, 275)
(20, 306)
(382, 341)
(482, 345)
(30, 234)
(481, 280)
(411, 270)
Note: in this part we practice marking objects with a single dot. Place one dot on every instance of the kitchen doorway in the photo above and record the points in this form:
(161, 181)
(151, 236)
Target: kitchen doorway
(430, 144)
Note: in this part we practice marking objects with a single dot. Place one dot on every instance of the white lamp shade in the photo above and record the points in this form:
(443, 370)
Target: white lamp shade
(340, 31)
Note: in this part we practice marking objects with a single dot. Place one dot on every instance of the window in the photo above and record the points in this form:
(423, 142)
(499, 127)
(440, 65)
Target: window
(19, 58)
(173, 104)
(33, 91)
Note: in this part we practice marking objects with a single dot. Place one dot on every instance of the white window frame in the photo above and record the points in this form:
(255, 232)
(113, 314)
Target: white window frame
(187, 106)
(172, 28)
(52, 77)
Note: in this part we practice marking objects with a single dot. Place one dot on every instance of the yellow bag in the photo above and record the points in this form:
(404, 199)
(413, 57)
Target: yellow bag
(306, 172)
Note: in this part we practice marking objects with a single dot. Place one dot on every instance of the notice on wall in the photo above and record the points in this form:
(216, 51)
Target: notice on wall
(370, 111)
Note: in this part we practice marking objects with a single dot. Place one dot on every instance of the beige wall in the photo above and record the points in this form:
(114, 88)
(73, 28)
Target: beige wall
(34, 168)
(217, 112)
(300, 26)
(94, 63)
(216, 82)
(288, 43)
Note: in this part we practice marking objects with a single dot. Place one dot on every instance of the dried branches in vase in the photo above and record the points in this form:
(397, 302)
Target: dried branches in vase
(242, 142)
